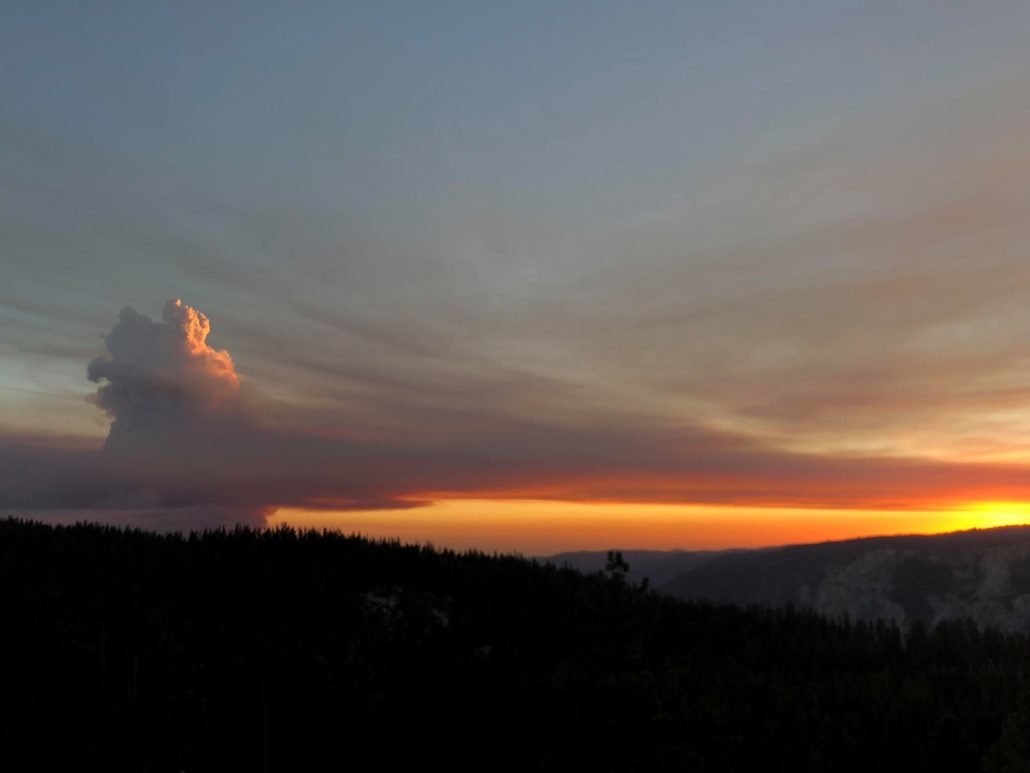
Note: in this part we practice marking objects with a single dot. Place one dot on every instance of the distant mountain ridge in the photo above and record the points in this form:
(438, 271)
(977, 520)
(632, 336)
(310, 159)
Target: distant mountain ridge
(658, 566)
(982, 574)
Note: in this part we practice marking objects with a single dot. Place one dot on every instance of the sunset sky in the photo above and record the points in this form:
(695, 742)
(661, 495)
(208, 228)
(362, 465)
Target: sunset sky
(517, 276)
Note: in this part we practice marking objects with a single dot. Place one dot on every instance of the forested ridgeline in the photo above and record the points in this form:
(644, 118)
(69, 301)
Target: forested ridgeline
(276, 650)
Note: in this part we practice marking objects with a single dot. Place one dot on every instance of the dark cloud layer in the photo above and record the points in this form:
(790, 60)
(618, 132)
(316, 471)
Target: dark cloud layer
(185, 451)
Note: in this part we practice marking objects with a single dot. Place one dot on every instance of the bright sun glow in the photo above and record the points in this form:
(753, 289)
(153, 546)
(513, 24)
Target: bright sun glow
(986, 515)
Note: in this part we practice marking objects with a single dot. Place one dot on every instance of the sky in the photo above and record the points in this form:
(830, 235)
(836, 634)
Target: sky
(517, 276)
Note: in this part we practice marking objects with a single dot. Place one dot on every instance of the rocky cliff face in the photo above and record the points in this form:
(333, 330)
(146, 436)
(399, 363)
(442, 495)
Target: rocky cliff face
(983, 575)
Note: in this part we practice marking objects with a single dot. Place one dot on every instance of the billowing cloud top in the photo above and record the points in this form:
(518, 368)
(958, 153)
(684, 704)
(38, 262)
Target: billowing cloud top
(161, 374)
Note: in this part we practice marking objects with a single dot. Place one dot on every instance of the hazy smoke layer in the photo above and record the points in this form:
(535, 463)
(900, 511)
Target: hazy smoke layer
(185, 450)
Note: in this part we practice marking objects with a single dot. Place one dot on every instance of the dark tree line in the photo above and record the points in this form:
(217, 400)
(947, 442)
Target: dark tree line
(276, 650)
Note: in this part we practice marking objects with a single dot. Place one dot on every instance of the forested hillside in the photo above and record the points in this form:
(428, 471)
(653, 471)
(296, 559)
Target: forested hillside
(123, 650)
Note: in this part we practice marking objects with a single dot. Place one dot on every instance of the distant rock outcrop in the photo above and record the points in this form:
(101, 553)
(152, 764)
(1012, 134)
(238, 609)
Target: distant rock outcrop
(979, 574)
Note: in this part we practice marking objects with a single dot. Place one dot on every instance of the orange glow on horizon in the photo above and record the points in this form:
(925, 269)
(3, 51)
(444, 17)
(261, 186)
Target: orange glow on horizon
(543, 527)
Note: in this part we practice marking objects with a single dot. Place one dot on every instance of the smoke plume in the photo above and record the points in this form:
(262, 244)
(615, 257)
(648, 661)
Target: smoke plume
(162, 377)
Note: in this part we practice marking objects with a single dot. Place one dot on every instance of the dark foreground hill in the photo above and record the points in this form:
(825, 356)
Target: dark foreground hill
(276, 650)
